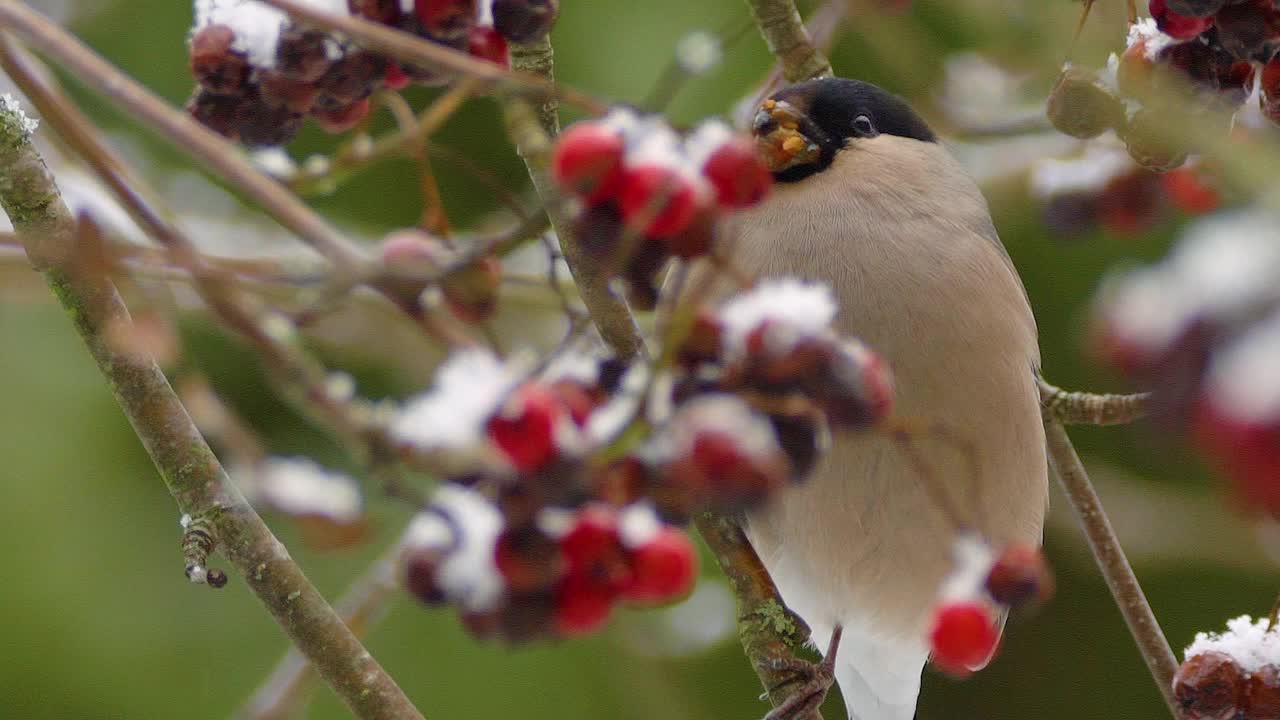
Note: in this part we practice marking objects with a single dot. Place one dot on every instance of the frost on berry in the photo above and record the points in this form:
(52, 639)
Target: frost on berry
(469, 387)
(785, 310)
(449, 550)
(723, 452)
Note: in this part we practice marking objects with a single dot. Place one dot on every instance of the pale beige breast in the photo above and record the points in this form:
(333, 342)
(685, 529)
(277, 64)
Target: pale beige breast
(940, 301)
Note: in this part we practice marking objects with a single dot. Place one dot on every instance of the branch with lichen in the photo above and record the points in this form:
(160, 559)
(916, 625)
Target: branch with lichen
(1085, 408)
(768, 630)
(189, 468)
(785, 34)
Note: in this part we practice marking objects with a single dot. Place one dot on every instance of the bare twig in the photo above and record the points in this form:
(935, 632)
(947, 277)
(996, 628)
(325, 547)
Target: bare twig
(1112, 561)
(1083, 408)
(189, 468)
(787, 38)
(532, 130)
(361, 607)
(215, 153)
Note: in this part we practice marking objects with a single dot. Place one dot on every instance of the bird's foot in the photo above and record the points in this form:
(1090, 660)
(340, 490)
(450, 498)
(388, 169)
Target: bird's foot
(814, 680)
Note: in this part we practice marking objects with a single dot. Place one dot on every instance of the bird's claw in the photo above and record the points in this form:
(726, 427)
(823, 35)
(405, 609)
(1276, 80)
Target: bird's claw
(815, 680)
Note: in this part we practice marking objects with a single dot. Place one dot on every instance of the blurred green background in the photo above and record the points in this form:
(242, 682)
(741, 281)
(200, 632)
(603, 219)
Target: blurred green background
(97, 621)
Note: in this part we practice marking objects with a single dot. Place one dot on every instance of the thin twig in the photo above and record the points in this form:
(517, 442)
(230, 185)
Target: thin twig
(787, 38)
(1112, 562)
(1083, 408)
(215, 153)
(189, 468)
(282, 694)
(532, 130)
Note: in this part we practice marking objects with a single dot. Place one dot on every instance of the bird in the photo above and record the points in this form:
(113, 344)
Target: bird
(871, 202)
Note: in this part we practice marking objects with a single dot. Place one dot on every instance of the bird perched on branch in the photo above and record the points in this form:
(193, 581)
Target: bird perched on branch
(869, 201)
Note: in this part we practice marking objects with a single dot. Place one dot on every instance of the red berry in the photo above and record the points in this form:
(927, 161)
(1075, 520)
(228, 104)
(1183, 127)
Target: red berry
(1188, 192)
(525, 427)
(588, 161)
(446, 19)
(664, 568)
(485, 43)
(661, 198)
(1250, 29)
(342, 118)
(581, 606)
(736, 173)
(963, 637)
(581, 400)
(395, 78)
(1179, 27)
(1196, 8)
(1249, 452)
(1019, 576)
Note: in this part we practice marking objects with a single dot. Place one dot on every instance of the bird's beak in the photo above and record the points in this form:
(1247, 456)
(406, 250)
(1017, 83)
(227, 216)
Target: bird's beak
(779, 140)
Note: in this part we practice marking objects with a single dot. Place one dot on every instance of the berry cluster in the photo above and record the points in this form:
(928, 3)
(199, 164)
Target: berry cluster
(639, 178)
(261, 74)
(1195, 60)
(965, 630)
(1104, 188)
(1202, 328)
(1233, 675)
(595, 463)
(561, 576)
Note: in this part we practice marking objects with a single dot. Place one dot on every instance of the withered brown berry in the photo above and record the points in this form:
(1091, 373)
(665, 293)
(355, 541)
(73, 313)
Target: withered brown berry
(216, 66)
(1210, 686)
(1262, 694)
(524, 21)
(302, 54)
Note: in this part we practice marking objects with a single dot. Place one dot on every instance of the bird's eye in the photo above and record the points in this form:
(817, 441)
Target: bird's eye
(863, 126)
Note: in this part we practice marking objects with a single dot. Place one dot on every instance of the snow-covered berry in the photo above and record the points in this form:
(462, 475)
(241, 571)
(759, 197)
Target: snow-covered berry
(588, 160)
(216, 65)
(1209, 686)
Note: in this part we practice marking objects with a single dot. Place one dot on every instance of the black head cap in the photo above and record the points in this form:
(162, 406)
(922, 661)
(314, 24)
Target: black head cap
(838, 110)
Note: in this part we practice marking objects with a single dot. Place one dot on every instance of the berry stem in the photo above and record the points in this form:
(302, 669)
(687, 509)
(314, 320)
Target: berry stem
(188, 466)
(1112, 561)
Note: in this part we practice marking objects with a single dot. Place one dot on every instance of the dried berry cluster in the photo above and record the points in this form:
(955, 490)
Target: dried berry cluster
(260, 74)
(599, 463)
(1213, 686)
(1202, 330)
(1191, 65)
(641, 180)
(965, 630)
(1104, 188)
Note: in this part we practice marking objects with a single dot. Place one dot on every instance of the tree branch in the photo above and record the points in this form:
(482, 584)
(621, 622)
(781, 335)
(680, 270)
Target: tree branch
(363, 605)
(189, 468)
(767, 629)
(532, 129)
(1112, 561)
(1083, 408)
(787, 38)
